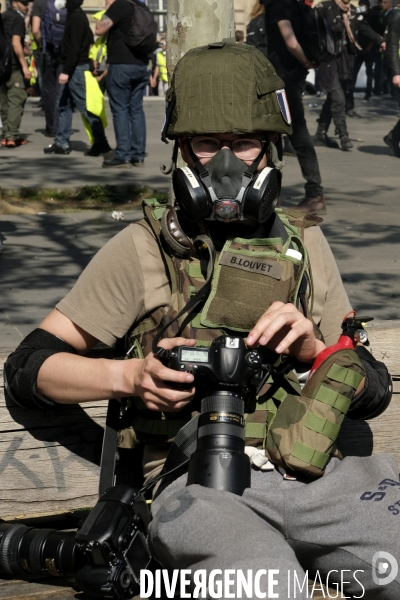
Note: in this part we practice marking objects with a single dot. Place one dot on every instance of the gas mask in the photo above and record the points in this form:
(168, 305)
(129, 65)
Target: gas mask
(226, 189)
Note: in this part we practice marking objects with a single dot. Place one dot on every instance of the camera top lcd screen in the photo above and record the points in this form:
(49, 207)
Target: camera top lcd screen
(194, 355)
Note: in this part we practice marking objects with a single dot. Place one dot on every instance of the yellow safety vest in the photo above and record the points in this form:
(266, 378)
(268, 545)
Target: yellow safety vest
(162, 65)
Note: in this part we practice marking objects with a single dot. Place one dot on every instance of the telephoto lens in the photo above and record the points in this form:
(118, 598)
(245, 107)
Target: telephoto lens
(219, 461)
(26, 551)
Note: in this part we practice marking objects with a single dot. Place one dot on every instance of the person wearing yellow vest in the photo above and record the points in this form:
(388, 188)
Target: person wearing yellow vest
(73, 81)
(161, 68)
(98, 54)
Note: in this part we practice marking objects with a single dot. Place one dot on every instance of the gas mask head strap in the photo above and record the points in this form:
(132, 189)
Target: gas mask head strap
(203, 242)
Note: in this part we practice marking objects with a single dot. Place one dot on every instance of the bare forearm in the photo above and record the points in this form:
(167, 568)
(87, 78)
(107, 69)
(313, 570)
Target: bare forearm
(298, 53)
(19, 51)
(70, 379)
(36, 29)
(103, 26)
(291, 41)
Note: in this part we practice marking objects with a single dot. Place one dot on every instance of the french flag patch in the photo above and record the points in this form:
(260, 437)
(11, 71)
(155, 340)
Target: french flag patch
(284, 106)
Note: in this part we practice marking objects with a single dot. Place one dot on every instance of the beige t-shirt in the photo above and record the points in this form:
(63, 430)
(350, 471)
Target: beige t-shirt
(126, 280)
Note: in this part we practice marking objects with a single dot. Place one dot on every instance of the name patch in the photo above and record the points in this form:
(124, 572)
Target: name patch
(254, 265)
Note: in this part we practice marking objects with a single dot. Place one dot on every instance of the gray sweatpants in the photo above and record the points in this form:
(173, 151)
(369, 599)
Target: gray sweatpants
(336, 524)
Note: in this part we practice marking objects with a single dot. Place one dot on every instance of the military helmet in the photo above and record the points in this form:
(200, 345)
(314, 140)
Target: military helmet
(225, 87)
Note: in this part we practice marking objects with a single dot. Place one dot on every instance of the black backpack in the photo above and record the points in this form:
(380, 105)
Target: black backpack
(5, 55)
(318, 40)
(53, 24)
(142, 34)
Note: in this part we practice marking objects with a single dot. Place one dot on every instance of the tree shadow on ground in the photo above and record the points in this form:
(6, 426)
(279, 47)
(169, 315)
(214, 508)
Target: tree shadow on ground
(61, 171)
(43, 257)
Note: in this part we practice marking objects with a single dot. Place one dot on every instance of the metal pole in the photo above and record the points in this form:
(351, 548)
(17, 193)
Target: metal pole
(192, 23)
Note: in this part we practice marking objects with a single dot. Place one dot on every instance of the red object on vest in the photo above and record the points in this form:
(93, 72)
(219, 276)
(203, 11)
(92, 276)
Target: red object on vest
(343, 343)
(347, 340)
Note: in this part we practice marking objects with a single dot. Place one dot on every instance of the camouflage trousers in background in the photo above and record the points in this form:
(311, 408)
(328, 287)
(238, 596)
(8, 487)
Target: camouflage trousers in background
(12, 101)
(339, 527)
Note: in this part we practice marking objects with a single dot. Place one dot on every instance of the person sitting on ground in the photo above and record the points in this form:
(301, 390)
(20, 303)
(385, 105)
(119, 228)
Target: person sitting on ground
(261, 273)
(75, 46)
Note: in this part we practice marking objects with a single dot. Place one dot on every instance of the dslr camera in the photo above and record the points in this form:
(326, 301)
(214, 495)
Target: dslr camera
(227, 375)
(104, 557)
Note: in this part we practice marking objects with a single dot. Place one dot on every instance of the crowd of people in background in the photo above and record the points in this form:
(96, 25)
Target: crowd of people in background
(56, 57)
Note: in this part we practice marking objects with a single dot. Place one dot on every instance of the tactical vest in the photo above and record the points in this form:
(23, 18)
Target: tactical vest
(248, 276)
(298, 431)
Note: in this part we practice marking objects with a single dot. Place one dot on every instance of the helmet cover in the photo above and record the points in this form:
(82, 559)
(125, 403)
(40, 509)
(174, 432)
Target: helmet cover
(225, 87)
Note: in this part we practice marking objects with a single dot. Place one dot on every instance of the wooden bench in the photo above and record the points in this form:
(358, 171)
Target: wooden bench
(49, 461)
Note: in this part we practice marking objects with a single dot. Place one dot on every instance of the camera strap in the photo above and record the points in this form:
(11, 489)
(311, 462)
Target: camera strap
(109, 450)
(206, 266)
(182, 448)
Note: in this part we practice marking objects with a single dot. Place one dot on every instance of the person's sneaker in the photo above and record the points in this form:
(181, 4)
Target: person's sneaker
(56, 149)
(313, 206)
(394, 148)
(116, 162)
(321, 139)
(353, 114)
(137, 163)
(345, 143)
(99, 149)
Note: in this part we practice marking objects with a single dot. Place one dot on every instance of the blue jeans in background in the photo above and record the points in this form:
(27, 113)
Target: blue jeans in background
(70, 95)
(126, 86)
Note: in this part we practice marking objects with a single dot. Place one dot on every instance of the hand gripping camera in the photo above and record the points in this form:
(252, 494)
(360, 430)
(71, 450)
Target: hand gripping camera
(104, 557)
(227, 375)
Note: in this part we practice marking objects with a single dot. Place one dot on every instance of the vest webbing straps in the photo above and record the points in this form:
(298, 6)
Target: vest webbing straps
(203, 240)
(344, 375)
(321, 425)
(310, 456)
(333, 398)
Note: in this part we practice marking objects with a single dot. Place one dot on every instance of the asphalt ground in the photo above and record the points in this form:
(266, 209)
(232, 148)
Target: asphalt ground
(44, 254)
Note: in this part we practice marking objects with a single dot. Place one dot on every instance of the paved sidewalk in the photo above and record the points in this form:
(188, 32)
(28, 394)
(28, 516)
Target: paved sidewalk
(43, 254)
(28, 166)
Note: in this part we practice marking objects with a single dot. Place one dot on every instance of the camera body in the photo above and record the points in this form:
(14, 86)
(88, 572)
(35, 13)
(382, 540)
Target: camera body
(225, 365)
(227, 375)
(104, 557)
(113, 544)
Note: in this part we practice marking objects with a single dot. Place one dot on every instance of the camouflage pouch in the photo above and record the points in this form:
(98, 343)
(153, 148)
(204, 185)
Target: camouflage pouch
(303, 432)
